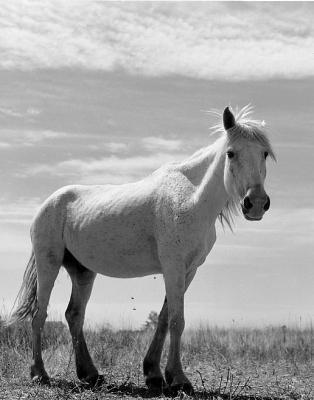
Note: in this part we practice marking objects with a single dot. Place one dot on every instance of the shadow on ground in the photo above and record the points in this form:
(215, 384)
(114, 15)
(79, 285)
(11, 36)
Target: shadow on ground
(130, 389)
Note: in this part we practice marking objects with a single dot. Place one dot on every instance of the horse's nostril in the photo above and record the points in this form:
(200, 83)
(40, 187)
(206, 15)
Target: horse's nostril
(247, 204)
(267, 204)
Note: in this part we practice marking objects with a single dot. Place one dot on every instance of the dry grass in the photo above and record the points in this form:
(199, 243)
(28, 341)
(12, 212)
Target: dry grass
(270, 363)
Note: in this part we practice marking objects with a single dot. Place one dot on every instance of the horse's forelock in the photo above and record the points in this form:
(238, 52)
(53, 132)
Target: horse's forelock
(245, 127)
(252, 131)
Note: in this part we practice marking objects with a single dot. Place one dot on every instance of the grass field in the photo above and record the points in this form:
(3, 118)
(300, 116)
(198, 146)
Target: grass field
(235, 363)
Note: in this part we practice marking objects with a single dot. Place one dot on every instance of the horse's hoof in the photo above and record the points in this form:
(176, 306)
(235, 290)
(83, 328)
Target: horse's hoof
(155, 384)
(41, 380)
(169, 377)
(94, 382)
(185, 387)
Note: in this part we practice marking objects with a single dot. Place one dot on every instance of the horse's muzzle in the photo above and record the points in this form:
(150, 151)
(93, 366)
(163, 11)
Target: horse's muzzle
(254, 205)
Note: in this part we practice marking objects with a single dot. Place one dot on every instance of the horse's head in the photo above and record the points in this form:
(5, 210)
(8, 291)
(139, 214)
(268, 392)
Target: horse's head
(246, 151)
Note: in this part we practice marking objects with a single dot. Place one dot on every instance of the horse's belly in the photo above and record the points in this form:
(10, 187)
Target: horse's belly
(117, 256)
(123, 266)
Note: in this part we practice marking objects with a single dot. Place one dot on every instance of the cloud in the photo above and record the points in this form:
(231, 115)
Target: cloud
(110, 147)
(110, 169)
(18, 212)
(122, 162)
(20, 137)
(116, 147)
(153, 143)
(29, 112)
(4, 145)
(203, 40)
(38, 136)
(9, 112)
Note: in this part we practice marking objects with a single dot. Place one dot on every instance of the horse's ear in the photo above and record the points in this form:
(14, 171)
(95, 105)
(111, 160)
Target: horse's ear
(228, 119)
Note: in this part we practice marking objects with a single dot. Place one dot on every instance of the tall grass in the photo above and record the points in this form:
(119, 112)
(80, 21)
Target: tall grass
(204, 343)
(212, 356)
(267, 344)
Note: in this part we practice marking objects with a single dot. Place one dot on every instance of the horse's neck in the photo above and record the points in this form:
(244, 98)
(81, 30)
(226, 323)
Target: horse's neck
(205, 169)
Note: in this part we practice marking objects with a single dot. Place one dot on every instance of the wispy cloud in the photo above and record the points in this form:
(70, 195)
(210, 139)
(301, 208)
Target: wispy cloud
(4, 145)
(20, 137)
(205, 40)
(9, 112)
(29, 112)
(112, 169)
(153, 143)
(19, 212)
(116, 147)
(110, 147)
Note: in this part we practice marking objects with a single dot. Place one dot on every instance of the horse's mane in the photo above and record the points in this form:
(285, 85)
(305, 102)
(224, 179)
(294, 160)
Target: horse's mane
(251, 129)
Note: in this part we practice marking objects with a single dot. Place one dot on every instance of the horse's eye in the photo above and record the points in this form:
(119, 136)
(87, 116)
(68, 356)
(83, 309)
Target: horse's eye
(230, 154)
(266, 154)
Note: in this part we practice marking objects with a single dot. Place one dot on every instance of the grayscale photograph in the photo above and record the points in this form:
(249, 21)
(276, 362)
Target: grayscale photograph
(157, 200)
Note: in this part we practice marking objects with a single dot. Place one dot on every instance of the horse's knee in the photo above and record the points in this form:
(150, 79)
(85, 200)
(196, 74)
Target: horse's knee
(72, 315)
(176, 324)
(74, 319)
(163, 320)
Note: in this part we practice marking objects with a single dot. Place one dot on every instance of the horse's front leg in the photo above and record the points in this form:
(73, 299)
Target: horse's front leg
(151, 365)
(175, 282)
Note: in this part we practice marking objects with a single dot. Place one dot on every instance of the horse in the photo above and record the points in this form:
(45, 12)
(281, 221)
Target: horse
(162, 224)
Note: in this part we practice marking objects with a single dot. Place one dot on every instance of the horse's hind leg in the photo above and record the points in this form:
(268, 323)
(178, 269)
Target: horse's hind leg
(151, 364)
(82, 284)
(48, 263)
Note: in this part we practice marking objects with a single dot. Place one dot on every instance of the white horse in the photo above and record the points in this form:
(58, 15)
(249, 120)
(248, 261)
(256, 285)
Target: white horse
(163, 224)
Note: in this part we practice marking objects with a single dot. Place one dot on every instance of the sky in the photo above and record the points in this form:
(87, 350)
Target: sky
(95, 93)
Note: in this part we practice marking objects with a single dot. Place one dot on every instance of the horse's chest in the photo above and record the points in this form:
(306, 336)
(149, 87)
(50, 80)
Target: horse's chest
(199, 247)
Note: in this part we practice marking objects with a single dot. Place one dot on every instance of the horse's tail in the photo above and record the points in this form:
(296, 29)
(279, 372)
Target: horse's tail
(26, 299)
